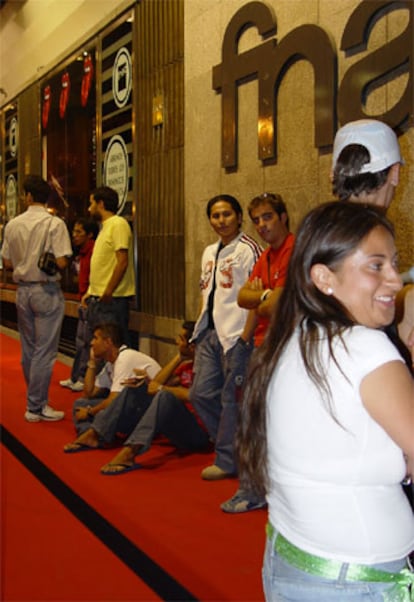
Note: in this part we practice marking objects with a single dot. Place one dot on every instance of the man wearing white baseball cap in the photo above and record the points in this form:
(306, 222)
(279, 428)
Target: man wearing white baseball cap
(366, 169)
(366, 162)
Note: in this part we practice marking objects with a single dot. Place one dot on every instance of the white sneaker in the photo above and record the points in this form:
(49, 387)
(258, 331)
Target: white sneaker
(77, 386)
(32, 416)
(48, 414)
(68, 383)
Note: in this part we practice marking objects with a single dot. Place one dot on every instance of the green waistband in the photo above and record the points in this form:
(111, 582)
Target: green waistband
(403, 590)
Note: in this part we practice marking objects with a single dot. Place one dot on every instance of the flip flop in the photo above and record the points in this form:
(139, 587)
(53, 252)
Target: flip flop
(124, 468)
(80, 447)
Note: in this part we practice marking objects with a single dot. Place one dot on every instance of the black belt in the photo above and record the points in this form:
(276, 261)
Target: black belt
(32, 282)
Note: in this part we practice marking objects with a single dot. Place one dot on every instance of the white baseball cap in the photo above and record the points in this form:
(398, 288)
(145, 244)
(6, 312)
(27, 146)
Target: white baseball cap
(377, 137)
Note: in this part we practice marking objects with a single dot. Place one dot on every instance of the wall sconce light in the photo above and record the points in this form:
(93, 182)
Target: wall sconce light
(265, 132)
(158, 110)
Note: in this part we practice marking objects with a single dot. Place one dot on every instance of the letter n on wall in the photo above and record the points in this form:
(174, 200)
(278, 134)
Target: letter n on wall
(268, 63)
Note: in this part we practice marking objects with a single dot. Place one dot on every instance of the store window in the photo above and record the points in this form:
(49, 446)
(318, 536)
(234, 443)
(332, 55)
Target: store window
(68, 121)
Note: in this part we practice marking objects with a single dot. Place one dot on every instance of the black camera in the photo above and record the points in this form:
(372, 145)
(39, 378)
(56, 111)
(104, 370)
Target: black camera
(47, 263)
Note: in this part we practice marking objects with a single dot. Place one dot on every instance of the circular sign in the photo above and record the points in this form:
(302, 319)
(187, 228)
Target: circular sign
(116, 168)
(122, 77)
(11, 196)
(13, 136)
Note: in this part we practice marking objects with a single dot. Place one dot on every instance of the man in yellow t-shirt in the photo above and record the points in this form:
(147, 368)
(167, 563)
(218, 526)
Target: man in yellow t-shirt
(112, 278)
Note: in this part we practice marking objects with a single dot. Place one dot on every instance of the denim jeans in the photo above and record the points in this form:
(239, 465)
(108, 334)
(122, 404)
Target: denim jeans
(82, 342)
(120, 417)
(284, 583)
(40, 310)
(216, 392)
(83, 402)
(168, 416)
(116, 311)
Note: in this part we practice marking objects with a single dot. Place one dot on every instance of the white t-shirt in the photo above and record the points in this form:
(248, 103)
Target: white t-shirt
(27, 236)
(111, 375)
(335, 488)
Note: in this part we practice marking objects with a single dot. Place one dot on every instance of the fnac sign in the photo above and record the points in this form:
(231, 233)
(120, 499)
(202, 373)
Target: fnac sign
(269, 61)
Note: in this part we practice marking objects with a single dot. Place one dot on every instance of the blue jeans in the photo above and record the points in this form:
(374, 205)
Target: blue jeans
(119, 418)
(284, 583)
(216, 392)
(82, 342)
(116, 311)
(136, 415)
(168, 416)
(83, 402)
(40, 310)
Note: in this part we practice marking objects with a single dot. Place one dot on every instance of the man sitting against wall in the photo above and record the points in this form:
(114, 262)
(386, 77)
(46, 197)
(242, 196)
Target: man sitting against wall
(168, 412)
(101, 389)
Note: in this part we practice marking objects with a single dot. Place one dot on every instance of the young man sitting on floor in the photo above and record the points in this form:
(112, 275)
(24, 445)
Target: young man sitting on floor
(169, 413)
(101, 390)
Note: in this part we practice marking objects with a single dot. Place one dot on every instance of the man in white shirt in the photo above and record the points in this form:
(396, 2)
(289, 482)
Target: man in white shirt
(222, 353)
(120, 365)
(39, 299)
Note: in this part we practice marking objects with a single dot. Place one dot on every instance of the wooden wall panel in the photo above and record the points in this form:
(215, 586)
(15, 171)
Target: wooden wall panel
(159, 70)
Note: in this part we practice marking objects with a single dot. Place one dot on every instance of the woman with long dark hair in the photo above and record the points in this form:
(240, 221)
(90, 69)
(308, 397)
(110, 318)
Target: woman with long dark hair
(327, 425)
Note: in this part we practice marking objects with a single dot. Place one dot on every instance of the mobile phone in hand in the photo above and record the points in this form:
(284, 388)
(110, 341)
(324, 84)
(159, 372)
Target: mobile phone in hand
(133, 381)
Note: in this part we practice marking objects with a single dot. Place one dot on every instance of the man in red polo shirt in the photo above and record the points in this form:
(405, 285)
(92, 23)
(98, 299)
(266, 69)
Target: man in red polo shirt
(84, 234)
(262, 290)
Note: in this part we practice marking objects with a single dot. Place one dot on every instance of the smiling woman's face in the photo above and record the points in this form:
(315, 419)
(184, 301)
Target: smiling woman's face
(367, 281)
(225, 221)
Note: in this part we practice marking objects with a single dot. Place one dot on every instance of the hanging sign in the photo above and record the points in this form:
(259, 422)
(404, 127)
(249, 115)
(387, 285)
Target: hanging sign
(13, 136)
(122, 77)
(86, 79)
(47, 99)
(116, 167)
(64, 94)
(11, 196)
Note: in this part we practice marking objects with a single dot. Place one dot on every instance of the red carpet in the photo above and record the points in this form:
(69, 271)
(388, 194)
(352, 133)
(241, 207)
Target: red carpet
(164, 511)
(48, 555)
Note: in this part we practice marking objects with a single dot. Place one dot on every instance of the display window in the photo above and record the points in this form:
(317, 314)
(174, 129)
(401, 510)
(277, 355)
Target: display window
(68, 122)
